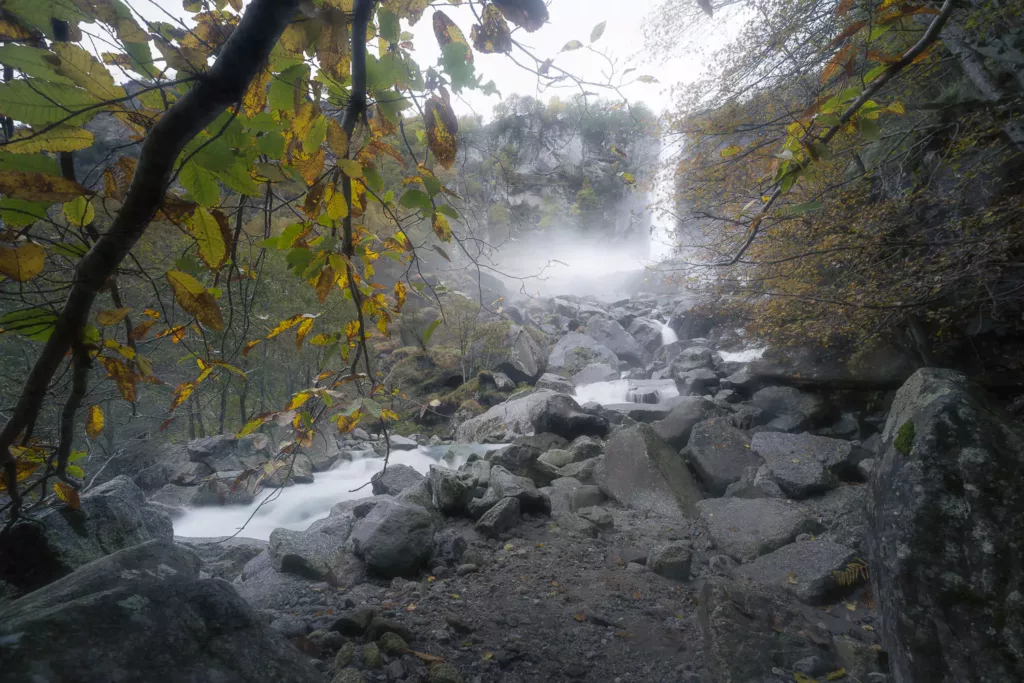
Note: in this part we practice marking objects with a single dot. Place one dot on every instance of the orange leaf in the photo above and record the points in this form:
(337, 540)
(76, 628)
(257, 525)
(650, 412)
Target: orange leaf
(94, 425)
(112, 317)
(194, 298)
(67, 494)
(123, 376)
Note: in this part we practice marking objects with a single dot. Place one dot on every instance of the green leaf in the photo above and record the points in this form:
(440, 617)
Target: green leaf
(447, 210)
(22, 212)
(209, 238)
(201, 184)
(298, 259)
(869, 129)
(416, 199)
(32, 61)
(39, 103)
(388, 25)
(287, 237)
(461, 72)
(261, 123)
(69, 250)
(75, 471)
(351, 168)
(272, 144)
(597, 32)
(315, 136)
(35, 323)
(373, 179)
(875, 73)
(730, 151)
(430, 331)
(238, 179)
(29, 163)
(283, 88)
(371, 407)
(76, 456)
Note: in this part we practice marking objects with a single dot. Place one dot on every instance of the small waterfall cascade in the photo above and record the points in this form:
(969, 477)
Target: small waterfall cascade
(668, 335)
(617, 392)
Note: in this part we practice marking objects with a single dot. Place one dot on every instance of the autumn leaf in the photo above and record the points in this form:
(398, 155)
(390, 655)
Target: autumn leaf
(447, 33)
(441, 227)
(124, 377)
(304, 327)
(337, 139)
(492, 35)
(58, 139)
(181, 394)
(284, 325)
(211, 237)
(68, 495)
(442, 128)
(94, 424)
(79, 212)
(112, 317)
(22, 263)
(39, 187)
(195, 299)
(530, 14)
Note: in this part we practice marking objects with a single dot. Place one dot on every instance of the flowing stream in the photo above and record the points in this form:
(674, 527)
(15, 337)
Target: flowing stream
(298, 506)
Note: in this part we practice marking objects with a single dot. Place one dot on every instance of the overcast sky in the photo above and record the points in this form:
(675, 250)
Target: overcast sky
(623, 42)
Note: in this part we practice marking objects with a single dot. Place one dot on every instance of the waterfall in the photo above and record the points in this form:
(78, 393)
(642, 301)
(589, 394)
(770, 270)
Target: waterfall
(668, 335)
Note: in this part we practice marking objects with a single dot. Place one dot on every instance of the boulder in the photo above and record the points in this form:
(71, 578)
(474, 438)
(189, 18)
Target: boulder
(58, 540)
(394, 480)
(557, 457)
(878, 366)
(946, 522)
(575, 351)
(686, 411)
(756, 482)
(402, 443)
(230, 453)
(500, 518)
(149, 462)
(541, 411)
(840, 458)
(505, 484)
(583, 470)
(806, 569)
(843, 514)
(323, 453)
(296, 470)
(574, 524)
(692, 358)
(521, 357)
(802, 408)
(524, 459)
(647, 333)
(319, 553)
(143, 614)
(556, 383)
(595, 372)
(640, 412)
(585, 447)
(794, 462)
(223, 556)
(450, 491)
(719, 454)
(643, 472)
(224, 488)
(598, 516)
(613, 336)
(745, 528)
(394, 539)
(749, 630)
(479, 506)
(585, 497)
(671, 560)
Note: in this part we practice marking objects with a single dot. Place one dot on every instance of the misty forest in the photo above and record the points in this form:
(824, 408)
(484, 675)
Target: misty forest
(347, 341)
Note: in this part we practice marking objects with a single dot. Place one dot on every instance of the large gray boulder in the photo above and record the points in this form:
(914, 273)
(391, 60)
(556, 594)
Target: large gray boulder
(719, 454)
(505, 484)
(877, 366)
(788, 408)
(319, 553)
(647, 333)
(521, 357)
(794, 462)
(611, 334)
(223, 556)
(523, 457)
(229, 453)
(748, 630)
(686, 411)
(840, 458)
(807, 569)
(394, 539)
(575, 351)
(595, 372)
(746, 528)
(947, 522)
(143, 614)
(641, 471)
(450, 491)
(500, 518)
(692, 358)
(394, 479)
(556, 383)
(149, 462)
(541, 411)
(843, 513)
(58, 540)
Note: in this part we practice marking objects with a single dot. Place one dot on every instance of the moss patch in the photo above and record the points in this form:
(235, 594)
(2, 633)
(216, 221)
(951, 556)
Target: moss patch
(905, 438)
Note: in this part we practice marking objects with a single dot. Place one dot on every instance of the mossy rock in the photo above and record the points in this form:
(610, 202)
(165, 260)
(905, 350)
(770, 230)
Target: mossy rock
(905, 438)
(372, 658)
(390, 643)
(445, 672)
(348, 675)
(345, 655)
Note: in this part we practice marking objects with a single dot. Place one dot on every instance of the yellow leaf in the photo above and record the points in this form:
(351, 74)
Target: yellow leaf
(79, 212)
(181, 393)
(81, 67)
(123, 376)
(447, 33)
(94, 425)
(730, 151)
(835, 675)
(411, 607)
(803, 678)
(22, 263)
(142, 329)
(337, 140)
(790, 577)
(304, 327)
(284, 325)
(852, 606)
(24, 469)
(442, 127)
(210, 236)
(255, 98)
(456, 596)
(431, 579)
(60, 139)
(112, 317)
(298, 400)
(68, 495)
(249, 346)
(492, 34)
(351, 168)
(309, 165)
(897, 108)
(39, 187)
(195, 300)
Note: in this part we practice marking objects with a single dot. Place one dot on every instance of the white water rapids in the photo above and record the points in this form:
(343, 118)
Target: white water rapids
(298, 506)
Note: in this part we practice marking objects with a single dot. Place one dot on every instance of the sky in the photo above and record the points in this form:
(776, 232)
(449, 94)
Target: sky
(622, 42)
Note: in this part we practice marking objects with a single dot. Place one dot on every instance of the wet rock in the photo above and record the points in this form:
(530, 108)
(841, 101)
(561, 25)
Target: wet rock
(520, 356)
(947, 512)
(699, 381)
(843, 514)
(595, 372)
(575, 524)
(394, 480)
(557, 458)
(500, 518)
(742, 380)
(182, 628)
(394, 539)
(866, 468)
(223, 557)
(585, 447)
(556, 383)
(450, 544)
(583, 471)
(348, 675)
(318, 553)
(860, 659)
(451, 491)
(803, 569)
(643, 472)
(585, 496)
(692, 358)
(228, 453)
(524, 459)
(611, 334)
(508, 485)
(786, 402)
(675, 428)
(749, 630)
(719, 454)
(290, 627)
(542, 411)
(391, 643)
(575, 351)
(354, 623)
(478, 506)
(748, 528)
(597, 516)
(297, 470)
(402, 443)
(838, 457)
(57, 540)
(647, 333)
(795, 461)
(445, 672)
(323, 453)
(756, 482)
(671, 560)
